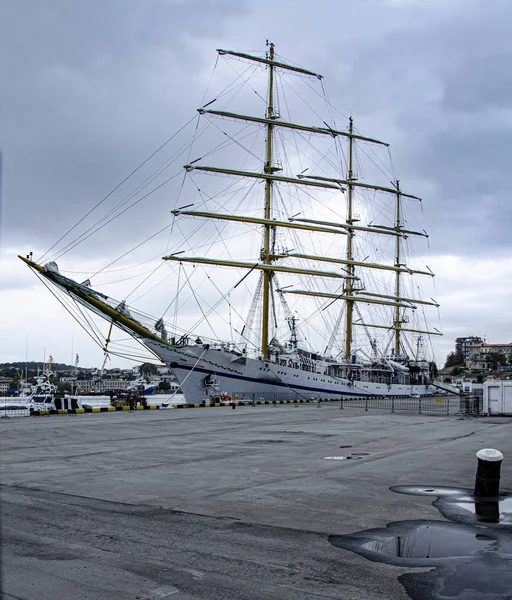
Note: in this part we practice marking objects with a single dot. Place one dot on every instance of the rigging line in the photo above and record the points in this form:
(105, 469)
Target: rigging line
(193, 137)
(148, 350)
(225, 143)
(131, 250)
(237, 89)
(203, 224)
(393, 173)
(180, 267)
(214, 306)
(131, 195)
(230, 323)
(171, 230)
(92, 325)
(199, 304)
(135, 300)
(326, 99)
(224, 296)
(103, 285)
(88, 273)
(219, 228)
(375, 160)
(322, 156)
(329, 103)
(245, 338)
(232, 85)
(210, 80)
(197, 248)
(302, 99)
(256, 69)
(113, 210)
(118, 186)
(366, 329)
(224, 192)
(121, 213)
(289, 118)
(236, 142)
(48, 286)
(133, 357)
(190, 372)
(144, 280)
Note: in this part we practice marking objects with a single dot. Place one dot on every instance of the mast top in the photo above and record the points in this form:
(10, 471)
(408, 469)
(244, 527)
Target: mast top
(268, 61)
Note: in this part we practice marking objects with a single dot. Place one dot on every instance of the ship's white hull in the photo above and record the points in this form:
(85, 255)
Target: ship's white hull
(203, 372)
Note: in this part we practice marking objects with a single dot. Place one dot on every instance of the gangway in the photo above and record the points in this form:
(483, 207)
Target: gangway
(453, 389)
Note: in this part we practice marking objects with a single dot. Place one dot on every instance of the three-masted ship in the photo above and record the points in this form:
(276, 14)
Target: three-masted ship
(268, 361)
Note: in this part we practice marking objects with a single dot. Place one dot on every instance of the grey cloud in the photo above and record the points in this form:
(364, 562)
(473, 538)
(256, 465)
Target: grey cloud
(91, 93)
(90, 89)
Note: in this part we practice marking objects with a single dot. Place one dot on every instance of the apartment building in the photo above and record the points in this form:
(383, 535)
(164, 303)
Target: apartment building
(479, 359)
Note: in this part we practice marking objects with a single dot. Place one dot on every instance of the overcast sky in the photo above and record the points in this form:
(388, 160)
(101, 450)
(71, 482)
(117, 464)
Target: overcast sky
(88, 89)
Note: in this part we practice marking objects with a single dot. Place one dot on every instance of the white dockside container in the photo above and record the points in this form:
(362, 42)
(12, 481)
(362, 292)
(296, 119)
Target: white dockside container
(498, 397)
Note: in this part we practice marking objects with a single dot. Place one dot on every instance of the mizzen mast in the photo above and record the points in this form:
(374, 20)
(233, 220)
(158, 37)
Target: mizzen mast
(350, 220)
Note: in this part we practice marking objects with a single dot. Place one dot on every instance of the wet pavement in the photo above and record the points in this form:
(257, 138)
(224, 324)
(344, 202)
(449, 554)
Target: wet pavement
(243, 504)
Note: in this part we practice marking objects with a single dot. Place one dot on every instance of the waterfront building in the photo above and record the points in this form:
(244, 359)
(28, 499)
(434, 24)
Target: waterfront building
(463, 344)
(88, 385)
(480, 359)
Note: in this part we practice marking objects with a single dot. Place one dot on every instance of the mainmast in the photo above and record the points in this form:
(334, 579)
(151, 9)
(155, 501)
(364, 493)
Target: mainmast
(398, 224)
(269, 170)
(351, 269)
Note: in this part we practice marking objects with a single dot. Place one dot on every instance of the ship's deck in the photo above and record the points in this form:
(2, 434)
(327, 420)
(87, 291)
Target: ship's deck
(228, 504)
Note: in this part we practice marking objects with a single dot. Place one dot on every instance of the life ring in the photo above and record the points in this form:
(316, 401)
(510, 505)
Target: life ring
(290, 362)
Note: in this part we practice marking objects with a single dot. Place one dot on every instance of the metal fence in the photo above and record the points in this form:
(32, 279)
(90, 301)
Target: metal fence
(6, 413)
(466, 406)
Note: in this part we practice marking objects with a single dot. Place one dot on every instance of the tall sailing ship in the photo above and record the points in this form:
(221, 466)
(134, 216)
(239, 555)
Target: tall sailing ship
(336, 306)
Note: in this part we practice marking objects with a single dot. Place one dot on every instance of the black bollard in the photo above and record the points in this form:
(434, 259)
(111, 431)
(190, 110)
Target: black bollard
(233, 405)
(488, 511)
(487, 482)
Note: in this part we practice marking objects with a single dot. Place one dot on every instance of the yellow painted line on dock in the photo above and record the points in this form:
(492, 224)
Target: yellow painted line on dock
(227, 404)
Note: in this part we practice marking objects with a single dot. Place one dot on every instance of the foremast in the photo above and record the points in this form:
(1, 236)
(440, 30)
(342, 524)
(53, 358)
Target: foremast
(269, 170)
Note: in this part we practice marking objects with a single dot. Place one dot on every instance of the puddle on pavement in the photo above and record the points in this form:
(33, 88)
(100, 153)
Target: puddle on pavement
(461, 506)
(419, 543)
(485, 510)
(431, 541)
(341, 457)
(472, 555)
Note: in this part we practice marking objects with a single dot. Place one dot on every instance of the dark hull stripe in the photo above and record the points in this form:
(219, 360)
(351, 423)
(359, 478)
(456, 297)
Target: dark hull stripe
(293, 388)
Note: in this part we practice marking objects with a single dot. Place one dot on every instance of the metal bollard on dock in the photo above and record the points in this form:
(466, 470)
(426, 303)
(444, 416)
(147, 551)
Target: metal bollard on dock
(487, 482)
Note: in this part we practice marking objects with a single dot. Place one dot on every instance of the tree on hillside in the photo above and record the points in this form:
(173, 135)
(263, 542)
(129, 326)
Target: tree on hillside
(147, 369)
(495, 359)
(454, 359)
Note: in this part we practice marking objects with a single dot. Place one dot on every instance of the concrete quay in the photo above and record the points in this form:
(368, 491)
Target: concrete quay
(221, 504)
